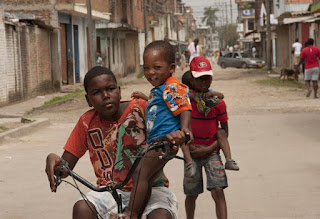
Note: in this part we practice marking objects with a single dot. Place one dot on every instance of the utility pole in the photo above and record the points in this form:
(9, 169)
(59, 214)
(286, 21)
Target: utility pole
(268, 36)
(231, 11)
(145, 22)
(91, 36)
(226, 11)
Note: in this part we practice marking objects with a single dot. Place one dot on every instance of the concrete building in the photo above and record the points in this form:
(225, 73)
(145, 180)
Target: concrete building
(69, 38)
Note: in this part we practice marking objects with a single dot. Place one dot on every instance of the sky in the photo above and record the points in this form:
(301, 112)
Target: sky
(223, 6)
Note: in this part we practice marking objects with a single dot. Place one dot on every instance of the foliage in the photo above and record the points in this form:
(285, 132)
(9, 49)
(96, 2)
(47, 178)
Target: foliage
(60, 99)
(245, 5)
(228, 34)
(74, 94)
(210, 16)
(281, 83)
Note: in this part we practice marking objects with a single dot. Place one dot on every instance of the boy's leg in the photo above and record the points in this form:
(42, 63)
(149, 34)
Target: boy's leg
(81, 210)
(190, 205)
(224, 145)
(192, 187)
(162, 204)
(190, 166)
(216, 182)
(101, 202)
(220, 201)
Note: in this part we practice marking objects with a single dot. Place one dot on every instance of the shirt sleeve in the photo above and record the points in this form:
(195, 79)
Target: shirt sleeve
(77, 141)
(222, 114)
(176, 97)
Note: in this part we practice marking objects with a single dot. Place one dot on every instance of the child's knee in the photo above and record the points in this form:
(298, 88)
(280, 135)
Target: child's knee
(217, 193)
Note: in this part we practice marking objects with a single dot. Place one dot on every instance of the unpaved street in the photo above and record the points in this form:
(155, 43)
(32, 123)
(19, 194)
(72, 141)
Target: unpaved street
(274, 137)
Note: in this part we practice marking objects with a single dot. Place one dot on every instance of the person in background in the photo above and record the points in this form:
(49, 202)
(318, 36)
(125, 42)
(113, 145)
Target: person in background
(99, 59)
(310, 56)
(296, 51)
(182, 61)
(194, 49)
(254, 51)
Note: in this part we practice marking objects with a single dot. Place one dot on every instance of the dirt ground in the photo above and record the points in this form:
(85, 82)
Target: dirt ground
(271, 128)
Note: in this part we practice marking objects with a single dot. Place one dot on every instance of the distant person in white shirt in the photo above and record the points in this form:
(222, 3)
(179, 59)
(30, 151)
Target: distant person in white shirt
(296, 51)
(254, 51)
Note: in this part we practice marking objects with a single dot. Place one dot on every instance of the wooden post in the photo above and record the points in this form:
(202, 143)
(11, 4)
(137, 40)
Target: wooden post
(91, 35)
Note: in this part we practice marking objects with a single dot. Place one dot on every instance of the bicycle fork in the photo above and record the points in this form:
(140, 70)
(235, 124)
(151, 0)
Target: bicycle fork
(118, 199)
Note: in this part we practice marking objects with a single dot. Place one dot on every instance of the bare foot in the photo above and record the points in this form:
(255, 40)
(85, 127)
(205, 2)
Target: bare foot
(308, 93)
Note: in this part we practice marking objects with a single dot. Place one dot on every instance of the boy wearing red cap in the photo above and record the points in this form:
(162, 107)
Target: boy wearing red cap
(206, 114)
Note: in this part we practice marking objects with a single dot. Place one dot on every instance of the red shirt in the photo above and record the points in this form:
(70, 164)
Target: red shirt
(112, 145)
(310, 54)
(205, 127)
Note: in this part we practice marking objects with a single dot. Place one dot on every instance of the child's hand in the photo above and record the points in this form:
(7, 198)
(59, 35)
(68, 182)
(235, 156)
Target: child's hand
(52, 162)
(178, 138)
(138, 94)
(188, 132)
(212, 94)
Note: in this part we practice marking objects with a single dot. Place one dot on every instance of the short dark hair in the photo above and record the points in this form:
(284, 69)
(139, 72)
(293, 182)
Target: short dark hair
(94, 72)
(310, 41)
(169, 55)
(297, 40)
(186, 78)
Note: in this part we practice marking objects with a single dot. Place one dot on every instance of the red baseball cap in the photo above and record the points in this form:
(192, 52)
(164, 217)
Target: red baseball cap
(200, 66)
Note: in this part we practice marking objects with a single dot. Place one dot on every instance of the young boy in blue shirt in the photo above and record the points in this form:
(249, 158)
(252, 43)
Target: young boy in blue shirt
(168, 112)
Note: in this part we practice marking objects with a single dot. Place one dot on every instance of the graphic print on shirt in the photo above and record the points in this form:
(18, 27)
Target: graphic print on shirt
(151, 116)
(175, 96)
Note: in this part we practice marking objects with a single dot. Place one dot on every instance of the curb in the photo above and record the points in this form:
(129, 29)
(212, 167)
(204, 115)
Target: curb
(24, 130)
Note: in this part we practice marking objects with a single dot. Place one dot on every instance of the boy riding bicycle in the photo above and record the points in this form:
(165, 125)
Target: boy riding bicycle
(113, 132)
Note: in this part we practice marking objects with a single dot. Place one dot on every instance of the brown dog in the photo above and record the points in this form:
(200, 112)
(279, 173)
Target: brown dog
(289, 72)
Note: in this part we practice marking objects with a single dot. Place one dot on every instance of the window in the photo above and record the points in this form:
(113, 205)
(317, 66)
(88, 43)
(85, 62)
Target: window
(251, 25)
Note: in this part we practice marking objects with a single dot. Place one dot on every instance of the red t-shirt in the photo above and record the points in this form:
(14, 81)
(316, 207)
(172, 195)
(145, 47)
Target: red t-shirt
(310, 54)
(205, 127)
(112, 145)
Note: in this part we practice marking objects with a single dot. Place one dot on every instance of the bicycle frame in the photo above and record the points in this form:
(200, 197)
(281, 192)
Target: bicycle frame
(158, 143)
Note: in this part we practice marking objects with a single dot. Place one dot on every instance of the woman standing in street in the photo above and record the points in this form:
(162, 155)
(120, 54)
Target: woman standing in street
(194, 49)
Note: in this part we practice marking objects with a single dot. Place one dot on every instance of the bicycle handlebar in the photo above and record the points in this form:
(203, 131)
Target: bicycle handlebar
(157, 143)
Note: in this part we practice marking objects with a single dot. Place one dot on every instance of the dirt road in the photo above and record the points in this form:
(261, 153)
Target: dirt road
(274, 137)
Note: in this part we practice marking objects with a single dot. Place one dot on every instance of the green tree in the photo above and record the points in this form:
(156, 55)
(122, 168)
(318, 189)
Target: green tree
(228, 34)
(210, 16)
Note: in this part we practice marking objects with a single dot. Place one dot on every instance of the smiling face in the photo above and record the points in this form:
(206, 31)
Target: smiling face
(104, 95)
(156, 68)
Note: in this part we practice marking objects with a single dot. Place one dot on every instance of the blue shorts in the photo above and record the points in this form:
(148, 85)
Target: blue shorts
(216, 175)
(161, 197)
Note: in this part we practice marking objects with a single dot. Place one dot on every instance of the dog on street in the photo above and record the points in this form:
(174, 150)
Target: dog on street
(289, 73)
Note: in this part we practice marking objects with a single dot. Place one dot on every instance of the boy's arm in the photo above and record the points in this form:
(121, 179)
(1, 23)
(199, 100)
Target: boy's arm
(204, 150)
(185, 119)
(53, 161)
(138, 94)
(224, 125)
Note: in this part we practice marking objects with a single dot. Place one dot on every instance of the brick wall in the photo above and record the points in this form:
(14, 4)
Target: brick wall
(138, 14)
(26, 70)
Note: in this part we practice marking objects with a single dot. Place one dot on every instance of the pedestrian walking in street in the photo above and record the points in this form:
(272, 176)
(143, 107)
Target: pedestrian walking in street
(182, 61)
(205, 149)
(194, 49)
(296, 51)
(115, 131)
(310, 56)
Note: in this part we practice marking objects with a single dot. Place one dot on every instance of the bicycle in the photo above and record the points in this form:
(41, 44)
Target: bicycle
(156, 144)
